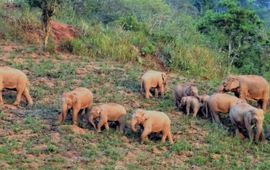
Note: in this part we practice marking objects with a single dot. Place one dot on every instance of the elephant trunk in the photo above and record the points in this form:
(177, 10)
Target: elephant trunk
(259, 130)
(64, 113)
(91, 120)
(133, 125)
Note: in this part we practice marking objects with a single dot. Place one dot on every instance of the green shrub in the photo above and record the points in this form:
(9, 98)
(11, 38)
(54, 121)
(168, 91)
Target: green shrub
(75, 46)
(131, 23)
(51, 47)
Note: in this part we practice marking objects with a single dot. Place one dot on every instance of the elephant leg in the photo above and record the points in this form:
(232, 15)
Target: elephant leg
(215, 117)
(263, 138)
(188, 109)
(144, 136)
(107, 126)
(162, 90)
(249, 129)
(28, 97)
(75, 116)
(122, 124)
(170, 137)
(195, 111)
(264, 104)
(177, 104)
(1, 89)
(156, 92)
(237, 130)
(148, 93)
(101, 123)
(239, 134)
(1, 97)
(63, 117)
(164, 136)
(19, 96)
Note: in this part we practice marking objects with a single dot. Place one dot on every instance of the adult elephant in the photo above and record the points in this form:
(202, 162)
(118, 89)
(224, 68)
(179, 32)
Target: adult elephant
(248, 87)
(243, 115)
(153, 80)
(152, 122)
(221, 103)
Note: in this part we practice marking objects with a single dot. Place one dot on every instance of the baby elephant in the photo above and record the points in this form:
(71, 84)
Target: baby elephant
(107, 112)
(243, 115)
(182, 91)
(78, 100)
(191, 103)
(14, 79)
(153, 79)
(203, 100)
(152, 121)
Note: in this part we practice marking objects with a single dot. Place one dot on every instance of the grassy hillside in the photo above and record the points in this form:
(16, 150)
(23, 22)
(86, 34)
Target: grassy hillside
(107, 52)
(137, 31)
(32, 138)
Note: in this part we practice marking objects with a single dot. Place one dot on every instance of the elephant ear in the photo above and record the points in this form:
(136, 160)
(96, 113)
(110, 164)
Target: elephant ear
(183, 100)
(144, 117)
(74, 98)
(67, 98)
(140, 115)
(258, 114)
(235, 82)
(231, 83)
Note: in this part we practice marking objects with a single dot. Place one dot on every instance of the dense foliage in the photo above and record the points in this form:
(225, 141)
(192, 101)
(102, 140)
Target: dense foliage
(204, 38)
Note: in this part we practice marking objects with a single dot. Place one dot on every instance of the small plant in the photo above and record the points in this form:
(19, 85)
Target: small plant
(2, 114)
(51, 47)
(75, 46)
(180, 146)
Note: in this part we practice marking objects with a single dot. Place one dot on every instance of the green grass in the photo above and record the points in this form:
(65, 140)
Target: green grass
(30, 140)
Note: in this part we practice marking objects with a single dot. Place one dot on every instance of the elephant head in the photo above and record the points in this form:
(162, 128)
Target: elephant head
(68, 100)
(192, 90)
(184, 101)
(231, 84)
(138, 117)
(95, 113)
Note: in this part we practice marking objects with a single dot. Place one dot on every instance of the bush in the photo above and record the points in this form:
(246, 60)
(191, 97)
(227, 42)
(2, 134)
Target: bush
(131, 23)
(75, 46)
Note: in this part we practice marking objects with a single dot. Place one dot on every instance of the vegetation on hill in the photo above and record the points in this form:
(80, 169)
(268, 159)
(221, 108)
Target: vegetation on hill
(31, 138)
(200, 38)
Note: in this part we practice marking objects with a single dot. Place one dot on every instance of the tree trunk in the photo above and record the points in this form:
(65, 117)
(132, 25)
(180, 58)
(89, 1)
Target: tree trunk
(46, 20)
(47, 30)
(230, 54)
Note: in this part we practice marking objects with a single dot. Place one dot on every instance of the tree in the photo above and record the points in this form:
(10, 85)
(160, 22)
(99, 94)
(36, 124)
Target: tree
(48, 8)
(241, 28)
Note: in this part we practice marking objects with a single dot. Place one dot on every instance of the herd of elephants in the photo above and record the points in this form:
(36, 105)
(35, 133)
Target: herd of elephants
(243, 116)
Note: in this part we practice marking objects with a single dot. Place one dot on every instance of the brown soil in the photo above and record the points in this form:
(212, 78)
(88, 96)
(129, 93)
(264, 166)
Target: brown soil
(62, 32)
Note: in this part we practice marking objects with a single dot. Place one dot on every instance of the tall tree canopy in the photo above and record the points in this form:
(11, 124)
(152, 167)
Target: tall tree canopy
(241, 31)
